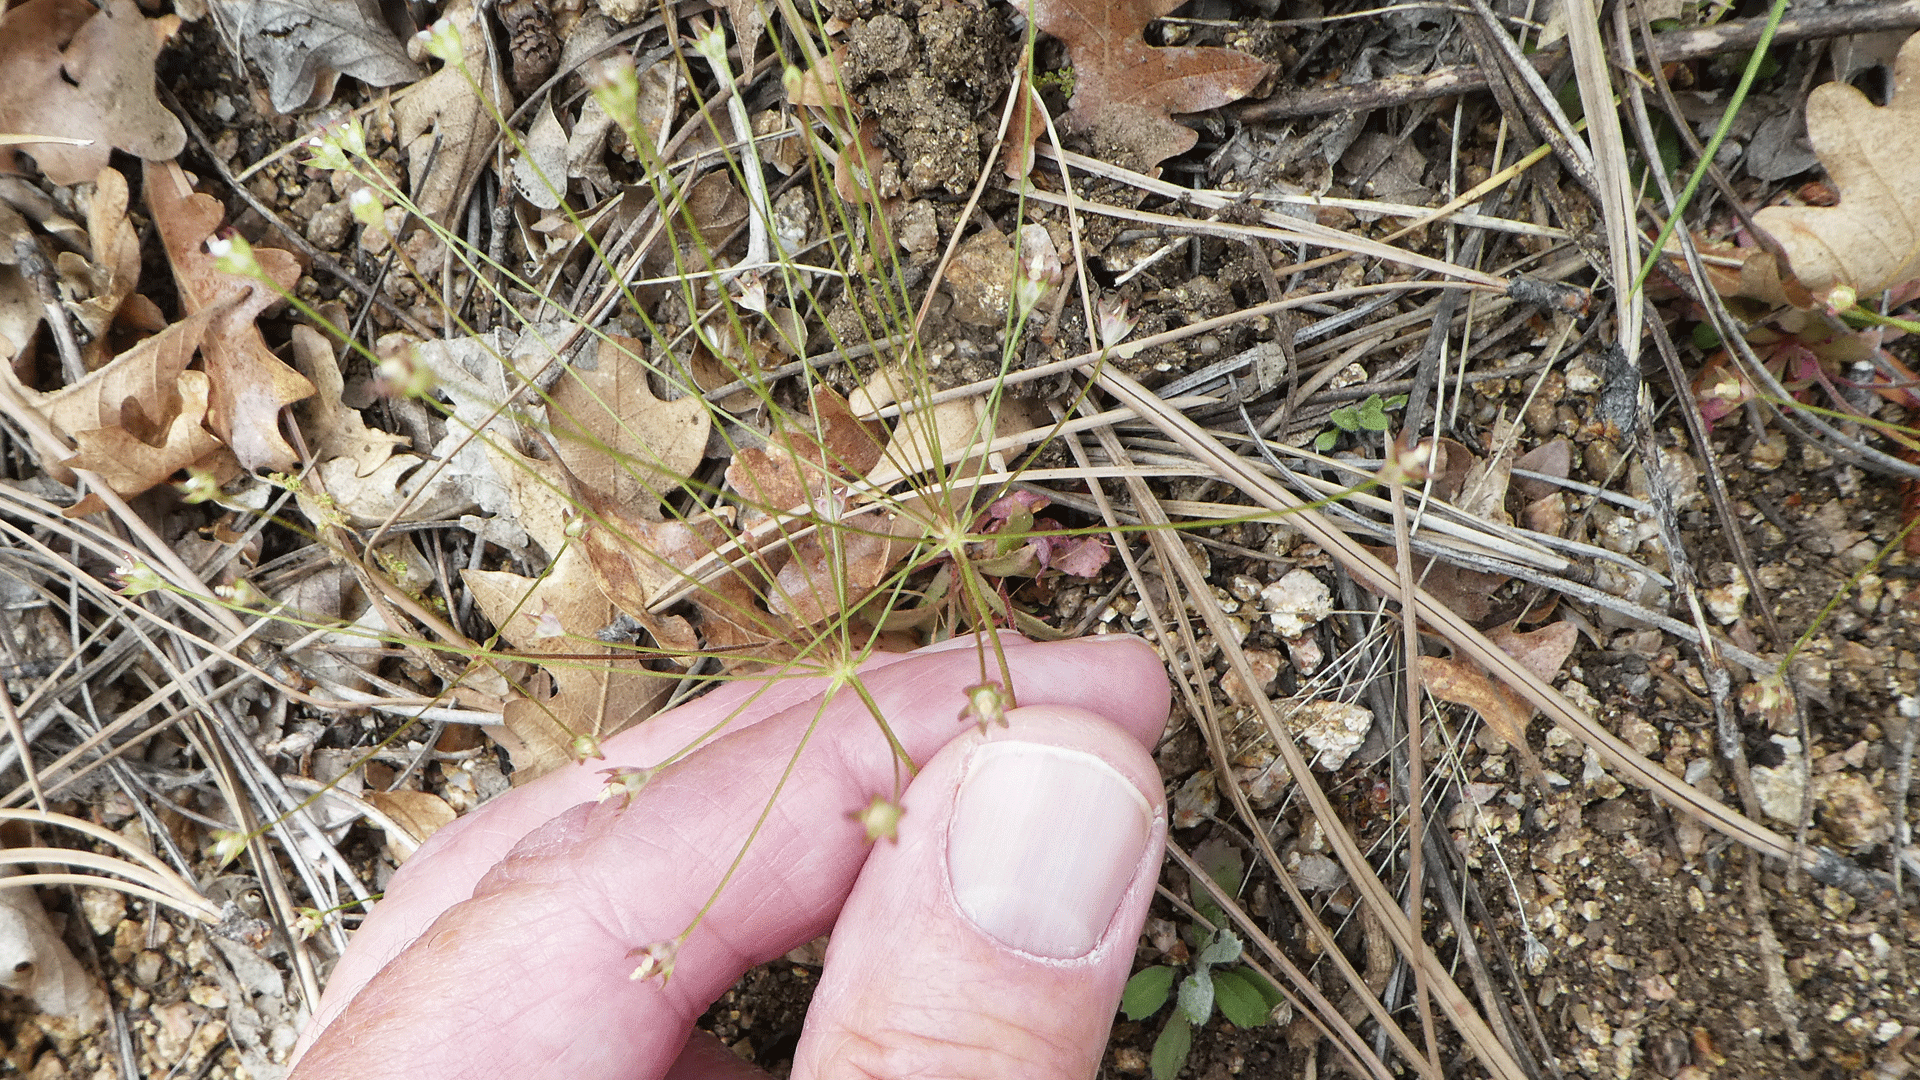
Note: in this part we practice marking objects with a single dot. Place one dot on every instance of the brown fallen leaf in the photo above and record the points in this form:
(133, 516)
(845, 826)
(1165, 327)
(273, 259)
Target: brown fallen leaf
(86, 73)
(362, 470)
(619, 440)
(1125, 92)
(332, 430)
(1553, 458)
(20, 313)
(1024, 129)
(831, 573)
(416, 815)
(810, 455)
(1871, 241)
(865, 171)
(36, 963)
(103, 280)
(1468, 592)
(444, 124)
(1464, 682)
(596, 692)
(138, 418)
(1483, 492)
(130, 464)
(1540, 651)
(250, 385)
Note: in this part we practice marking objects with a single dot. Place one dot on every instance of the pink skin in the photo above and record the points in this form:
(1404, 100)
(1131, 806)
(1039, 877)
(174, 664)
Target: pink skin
(503, 946)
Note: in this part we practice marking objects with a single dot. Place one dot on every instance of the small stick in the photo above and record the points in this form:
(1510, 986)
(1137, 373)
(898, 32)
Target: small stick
(1730, 36)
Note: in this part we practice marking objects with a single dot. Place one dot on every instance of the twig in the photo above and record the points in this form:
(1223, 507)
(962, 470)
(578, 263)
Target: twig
(1416, 761)
(1731, 36)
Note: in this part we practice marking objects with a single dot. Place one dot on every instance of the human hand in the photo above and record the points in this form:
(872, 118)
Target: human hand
(992, 940)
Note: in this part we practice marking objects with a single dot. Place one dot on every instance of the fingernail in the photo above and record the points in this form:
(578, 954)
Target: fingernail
(1044, 843)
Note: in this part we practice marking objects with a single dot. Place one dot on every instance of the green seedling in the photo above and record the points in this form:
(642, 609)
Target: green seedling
(1243, 995)
(1368, 415)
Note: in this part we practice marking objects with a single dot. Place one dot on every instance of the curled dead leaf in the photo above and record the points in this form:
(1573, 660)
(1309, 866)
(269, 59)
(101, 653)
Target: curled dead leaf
(1505, 712)
(619, 441)
(249, 383)
(446, 127)
(35, 962)
(1540, 651)
(415, 815)
(1871, 240)
(590, 689)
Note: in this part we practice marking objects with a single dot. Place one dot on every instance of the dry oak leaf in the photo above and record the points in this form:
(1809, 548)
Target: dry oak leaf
(1871, 241)
(832, 571)
(1125, 91)
(809, 455)
(619, 440)
(559, 613)
(137, 420)
(1464, 682)
(36, 963)
(1540, 651)
(447, 129)
(129, 464)
(304, 46)
(104, 280)
(250, 385)
(83, 72)
(362, 469)
(20, 312)
(412, 816)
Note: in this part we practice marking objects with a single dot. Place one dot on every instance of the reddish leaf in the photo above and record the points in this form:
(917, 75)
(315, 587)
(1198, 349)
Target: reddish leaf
(1125, 92)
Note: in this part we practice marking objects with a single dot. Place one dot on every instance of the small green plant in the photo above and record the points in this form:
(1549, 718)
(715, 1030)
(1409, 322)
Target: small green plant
(1368, 415)
(1061, 80)
(1244, 996)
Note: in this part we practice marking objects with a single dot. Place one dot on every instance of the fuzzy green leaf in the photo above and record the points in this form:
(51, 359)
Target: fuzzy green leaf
(1171, 1048)
(1324, 441)
(1223, 949)
(1146, 992)
(1346, 418)
(1196, 996)
(1239, 1002)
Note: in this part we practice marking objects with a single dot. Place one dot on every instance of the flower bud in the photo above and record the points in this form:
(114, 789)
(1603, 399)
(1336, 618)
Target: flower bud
(367, 208)
(1115, 322)
(233, 255)
(1039, 269)
(617, 88)
(442, 42)
(138, 579)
